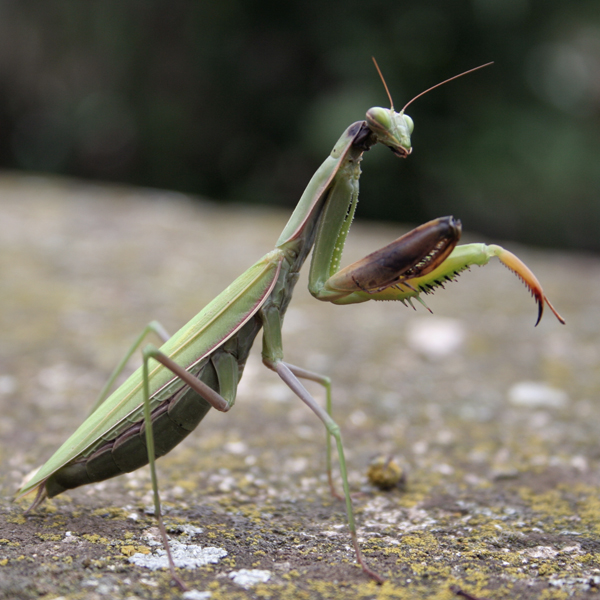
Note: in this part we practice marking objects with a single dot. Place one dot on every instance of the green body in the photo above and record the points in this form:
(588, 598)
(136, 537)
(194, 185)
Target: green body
(214, 345)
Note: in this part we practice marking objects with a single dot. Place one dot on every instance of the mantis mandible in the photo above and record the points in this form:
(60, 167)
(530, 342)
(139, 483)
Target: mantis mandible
(199, 367)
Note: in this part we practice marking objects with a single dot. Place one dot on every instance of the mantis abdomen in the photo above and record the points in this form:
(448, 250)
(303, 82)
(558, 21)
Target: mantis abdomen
(172, 421)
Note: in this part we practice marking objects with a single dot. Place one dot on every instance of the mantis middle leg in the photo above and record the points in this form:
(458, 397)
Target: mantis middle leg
(290, 374)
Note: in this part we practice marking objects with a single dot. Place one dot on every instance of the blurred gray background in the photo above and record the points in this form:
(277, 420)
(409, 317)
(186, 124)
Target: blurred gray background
(242, 100)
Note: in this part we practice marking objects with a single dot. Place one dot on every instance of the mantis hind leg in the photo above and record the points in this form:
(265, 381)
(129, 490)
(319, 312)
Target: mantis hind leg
(152, 327)
(226, 367)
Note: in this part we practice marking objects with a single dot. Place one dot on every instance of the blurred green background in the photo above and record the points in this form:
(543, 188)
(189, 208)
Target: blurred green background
(240, 100)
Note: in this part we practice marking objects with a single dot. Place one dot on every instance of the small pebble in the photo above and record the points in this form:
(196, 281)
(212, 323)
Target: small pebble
(435, 337)
(533, 394)
(385, 473)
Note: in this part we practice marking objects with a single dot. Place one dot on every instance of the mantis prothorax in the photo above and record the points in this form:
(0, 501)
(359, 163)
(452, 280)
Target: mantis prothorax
(199, 367)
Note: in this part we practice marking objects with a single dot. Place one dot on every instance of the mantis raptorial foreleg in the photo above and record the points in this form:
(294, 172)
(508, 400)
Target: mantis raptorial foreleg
(199, 366)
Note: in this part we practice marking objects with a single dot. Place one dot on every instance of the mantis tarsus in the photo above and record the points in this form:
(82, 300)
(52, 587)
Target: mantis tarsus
(199, 367)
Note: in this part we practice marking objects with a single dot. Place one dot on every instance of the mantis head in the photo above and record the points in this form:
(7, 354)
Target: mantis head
(393, 129)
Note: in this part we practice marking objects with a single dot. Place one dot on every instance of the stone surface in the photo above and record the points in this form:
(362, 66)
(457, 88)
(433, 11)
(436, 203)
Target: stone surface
(501, 496)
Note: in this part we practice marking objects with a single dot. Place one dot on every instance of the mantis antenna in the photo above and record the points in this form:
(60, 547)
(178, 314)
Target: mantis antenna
(384, 83)
(437, 85)
(427, 90)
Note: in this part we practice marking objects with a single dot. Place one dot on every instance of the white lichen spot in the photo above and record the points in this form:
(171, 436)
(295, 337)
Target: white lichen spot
(187, 529)
(185, 556)
(534, 394)
(580, 463)
(246, 578)
(235, 447)
(544, 552)
(8, 384)
(435, 337)
(444, 469)
(196, 595)
(227, 484)
(358, 417)
(296, 465)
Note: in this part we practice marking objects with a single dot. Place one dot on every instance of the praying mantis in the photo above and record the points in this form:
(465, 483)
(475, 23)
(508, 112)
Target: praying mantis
(200, 366)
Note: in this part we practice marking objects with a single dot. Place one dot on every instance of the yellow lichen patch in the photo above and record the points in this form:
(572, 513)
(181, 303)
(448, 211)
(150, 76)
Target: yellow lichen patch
(128, 550)
(98, 563)
(219, 531)
(50, 506)
(94, 538)
(386, 591)
(111, 513)
(588, 508)
(252, 512)
(17, 519)
(417, 493)
(186, 485)
(292, 574)
(553, 594)
(59, 522)
(424, 569)
(590, 559)
(476, 577)
(547, 503)
(49, 537)
(548, 568)
(420, 540)
(218, 593)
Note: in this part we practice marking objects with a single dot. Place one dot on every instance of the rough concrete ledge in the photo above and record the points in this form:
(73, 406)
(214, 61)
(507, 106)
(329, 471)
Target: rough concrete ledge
(502, 477)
